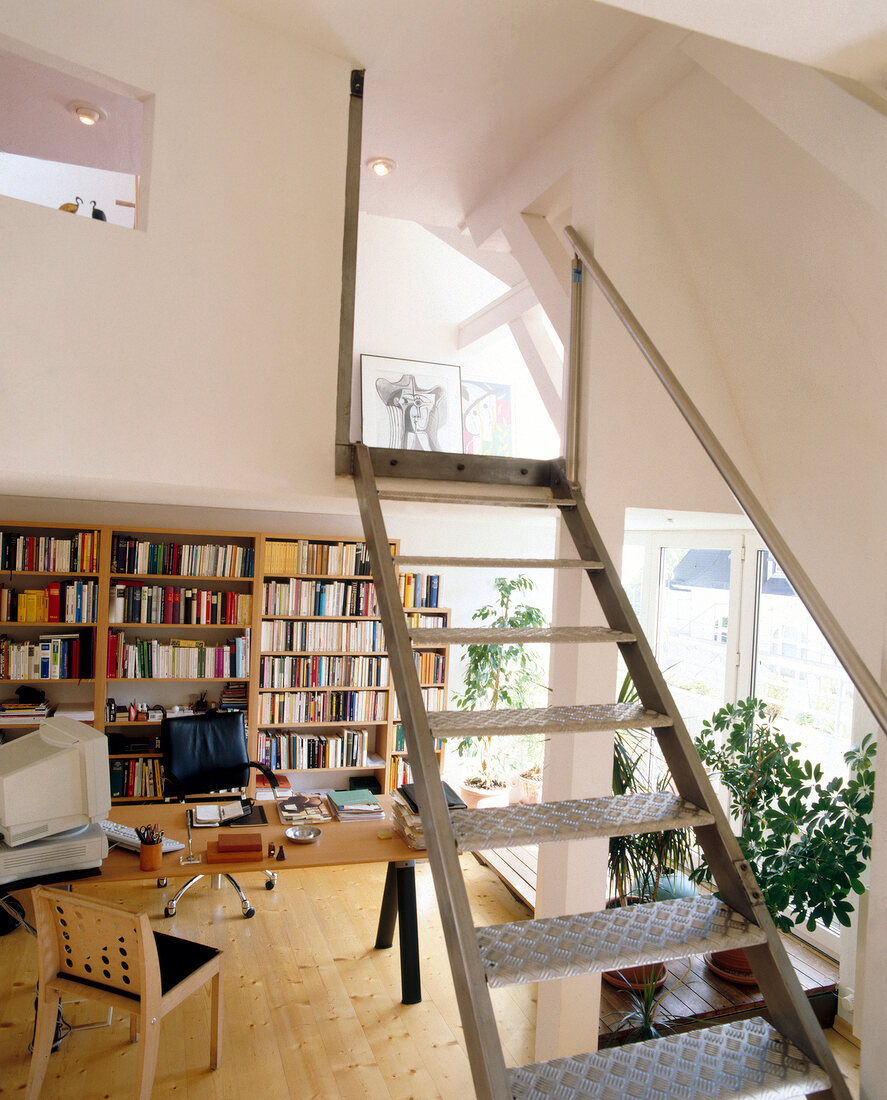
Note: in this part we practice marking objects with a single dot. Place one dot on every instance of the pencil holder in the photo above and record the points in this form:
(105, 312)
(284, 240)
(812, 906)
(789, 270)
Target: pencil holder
(150, 856)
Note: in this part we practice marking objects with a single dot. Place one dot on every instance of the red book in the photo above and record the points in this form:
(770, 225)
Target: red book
(168, 605)
(177, 605)
(54, 597)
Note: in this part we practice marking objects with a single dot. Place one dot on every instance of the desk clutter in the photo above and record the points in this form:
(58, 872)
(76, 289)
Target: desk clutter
(319, 807)
(238, 845)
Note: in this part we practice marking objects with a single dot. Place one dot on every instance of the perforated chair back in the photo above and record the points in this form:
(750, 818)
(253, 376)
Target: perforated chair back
(204, 752)
(92, 950)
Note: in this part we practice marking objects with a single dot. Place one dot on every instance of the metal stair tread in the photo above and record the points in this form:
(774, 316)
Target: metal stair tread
(548, 720)
(496, 501)
(574, 819)
(746, 1058)
(552, 635)
(586, 943)
(499, 563)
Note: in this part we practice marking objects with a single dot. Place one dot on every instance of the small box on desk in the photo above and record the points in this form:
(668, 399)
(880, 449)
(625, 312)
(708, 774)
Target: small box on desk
(235, 846)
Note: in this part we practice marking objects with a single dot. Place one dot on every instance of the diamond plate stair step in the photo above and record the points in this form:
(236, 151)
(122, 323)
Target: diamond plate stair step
(548, 635)
(748, 1058)
(499, 563)
(544, 720)
(548, 822)
(586, 943)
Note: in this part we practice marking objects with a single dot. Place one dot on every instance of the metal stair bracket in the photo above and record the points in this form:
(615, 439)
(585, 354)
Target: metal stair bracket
(786, 1057)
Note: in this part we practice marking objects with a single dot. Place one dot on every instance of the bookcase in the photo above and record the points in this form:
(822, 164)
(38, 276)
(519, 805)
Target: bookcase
(50, 600)
(179, 625)
(432, 665)
(117, 626)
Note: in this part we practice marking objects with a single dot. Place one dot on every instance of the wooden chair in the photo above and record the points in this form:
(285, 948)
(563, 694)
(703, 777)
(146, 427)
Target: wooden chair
(91, 950)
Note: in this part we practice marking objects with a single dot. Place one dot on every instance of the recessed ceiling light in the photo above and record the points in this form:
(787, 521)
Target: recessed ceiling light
(381, 166)
(87, 113)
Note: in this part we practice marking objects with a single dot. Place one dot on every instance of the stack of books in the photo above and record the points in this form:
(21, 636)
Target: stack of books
(304, 808)
(357, 805)
(14, 712)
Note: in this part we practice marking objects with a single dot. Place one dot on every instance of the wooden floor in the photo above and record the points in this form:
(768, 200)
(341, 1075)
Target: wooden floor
(311, 1009)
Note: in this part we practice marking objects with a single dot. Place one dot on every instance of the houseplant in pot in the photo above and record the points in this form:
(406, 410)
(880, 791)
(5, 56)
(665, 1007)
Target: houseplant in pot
(807, 839)
(650, 866)
(498, 676)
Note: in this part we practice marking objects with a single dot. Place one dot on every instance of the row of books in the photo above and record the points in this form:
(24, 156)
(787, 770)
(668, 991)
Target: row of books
(331, 559)
(430, 622)
(77, 552)
(51, 657)
(56, 602)
(400, 744)
(278, 635)
(283, 708)
(130, 554)
(132, 602)
(419, 589)
(320, 671)
(401, 772)
(434, 698)
(303, 751)
(234, 696)
(297, 597)
(139, 778)
(176, 658)
(430, 665)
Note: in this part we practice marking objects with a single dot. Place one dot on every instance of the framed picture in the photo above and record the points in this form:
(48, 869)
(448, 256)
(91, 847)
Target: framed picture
(486, 413)
(410, 405)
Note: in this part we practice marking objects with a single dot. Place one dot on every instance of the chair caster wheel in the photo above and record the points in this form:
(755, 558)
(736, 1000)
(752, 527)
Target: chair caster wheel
(169, 911)
(269, 885)
(247, 913)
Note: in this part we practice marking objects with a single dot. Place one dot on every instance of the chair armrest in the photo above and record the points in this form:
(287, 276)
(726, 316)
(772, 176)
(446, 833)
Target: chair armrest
(266, 771)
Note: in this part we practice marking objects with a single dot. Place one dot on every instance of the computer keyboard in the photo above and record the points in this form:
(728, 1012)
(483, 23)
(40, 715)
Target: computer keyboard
(126, 837)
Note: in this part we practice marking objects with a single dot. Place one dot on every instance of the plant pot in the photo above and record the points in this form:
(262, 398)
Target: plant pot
(528, 791)
(637, 978)
(732, 965)
(480, 797)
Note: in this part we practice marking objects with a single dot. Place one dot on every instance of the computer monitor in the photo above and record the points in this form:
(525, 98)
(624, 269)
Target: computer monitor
(53, 780)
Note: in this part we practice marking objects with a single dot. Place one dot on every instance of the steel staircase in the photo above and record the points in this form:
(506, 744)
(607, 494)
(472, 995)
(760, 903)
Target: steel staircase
(789, 1057)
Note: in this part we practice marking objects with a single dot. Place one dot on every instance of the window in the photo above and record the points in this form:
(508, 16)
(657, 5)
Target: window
(725, 623)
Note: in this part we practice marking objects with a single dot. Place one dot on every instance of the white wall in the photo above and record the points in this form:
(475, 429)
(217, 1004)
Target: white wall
(195, 362)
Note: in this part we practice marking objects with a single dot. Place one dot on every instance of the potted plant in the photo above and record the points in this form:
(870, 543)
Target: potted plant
(643, 1016)
(807, 840)
(498, 676)
(650, 866)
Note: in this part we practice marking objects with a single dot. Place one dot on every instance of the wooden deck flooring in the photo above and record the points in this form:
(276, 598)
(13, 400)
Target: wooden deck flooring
(693, 993)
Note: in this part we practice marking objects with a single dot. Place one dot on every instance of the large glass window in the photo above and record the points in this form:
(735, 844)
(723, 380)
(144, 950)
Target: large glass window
(796, 671)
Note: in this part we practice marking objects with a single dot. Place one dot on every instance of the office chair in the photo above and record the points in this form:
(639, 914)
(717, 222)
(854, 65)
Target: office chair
(204, 753)
(98, 951)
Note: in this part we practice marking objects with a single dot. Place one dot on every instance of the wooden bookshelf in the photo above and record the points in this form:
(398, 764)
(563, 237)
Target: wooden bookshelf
(175, 618)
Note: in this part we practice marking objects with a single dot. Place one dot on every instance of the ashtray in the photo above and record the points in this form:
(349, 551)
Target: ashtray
(303, 834)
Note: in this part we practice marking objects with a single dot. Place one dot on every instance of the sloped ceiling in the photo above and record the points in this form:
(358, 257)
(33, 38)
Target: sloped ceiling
(458, 91)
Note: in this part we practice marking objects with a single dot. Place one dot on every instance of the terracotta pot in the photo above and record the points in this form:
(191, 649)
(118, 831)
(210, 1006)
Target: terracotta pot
(636, 977)
(476, 797)
(732, 965)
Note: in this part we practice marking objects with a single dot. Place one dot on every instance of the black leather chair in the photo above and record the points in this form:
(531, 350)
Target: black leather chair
(205, 753)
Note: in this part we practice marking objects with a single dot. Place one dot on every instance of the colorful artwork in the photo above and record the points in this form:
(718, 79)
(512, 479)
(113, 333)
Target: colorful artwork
(486, 418)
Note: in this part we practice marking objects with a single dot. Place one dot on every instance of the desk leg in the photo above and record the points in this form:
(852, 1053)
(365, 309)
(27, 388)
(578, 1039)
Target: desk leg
(399, 904)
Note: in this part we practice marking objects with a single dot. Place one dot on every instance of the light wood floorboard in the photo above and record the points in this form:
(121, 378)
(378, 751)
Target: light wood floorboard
(312, 1010)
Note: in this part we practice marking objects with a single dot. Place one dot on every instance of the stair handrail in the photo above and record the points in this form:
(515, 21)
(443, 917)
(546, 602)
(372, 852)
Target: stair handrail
(858, 671)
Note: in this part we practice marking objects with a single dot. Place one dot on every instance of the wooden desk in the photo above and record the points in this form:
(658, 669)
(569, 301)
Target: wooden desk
(340, 844)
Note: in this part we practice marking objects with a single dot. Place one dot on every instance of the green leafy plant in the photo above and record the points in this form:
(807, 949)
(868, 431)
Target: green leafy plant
(499, 675)
(806, 840)
(643, 1016)
(639, 865)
